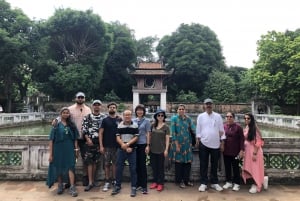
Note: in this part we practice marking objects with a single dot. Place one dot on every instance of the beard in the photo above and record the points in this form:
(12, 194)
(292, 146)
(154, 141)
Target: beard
(79, 102)
(111, 112)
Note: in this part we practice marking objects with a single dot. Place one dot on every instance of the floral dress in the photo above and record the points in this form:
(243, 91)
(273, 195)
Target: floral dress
(180, 132)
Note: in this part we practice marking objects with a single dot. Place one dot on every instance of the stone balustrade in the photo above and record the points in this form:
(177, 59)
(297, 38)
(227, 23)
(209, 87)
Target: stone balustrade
(26, 158)
(290, 122)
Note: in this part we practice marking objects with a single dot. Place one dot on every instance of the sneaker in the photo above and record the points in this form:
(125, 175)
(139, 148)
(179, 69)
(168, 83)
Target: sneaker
(106, 186)
(153, 185)
(133, 192)
(73, 191)
(188, 183)
(202, 188)
(236, 187)
(96, 184)
(160, 187)
(88, 187)
(182, 185)
(116, 190)
(60, 189)
(139, 188)
(144, 191)
(217, 187)
(266, 182)
(253, 189)
(227, 185)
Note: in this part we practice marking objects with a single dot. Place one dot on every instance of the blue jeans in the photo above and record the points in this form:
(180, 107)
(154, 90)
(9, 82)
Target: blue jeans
(204, 153)
(121, 158)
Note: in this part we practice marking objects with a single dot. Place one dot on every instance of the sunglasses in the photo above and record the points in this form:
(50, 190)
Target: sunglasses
(80, 97)
(247, 118)
(160, 115)
(229, 116)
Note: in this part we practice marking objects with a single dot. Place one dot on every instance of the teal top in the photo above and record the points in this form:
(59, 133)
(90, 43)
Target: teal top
(63, 138)
(180, 132)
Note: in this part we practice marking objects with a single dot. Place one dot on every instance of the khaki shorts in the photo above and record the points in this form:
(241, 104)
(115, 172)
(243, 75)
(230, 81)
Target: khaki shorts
(110, 156)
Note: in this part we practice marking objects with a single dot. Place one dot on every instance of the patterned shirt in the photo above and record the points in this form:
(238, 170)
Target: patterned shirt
(91, 125)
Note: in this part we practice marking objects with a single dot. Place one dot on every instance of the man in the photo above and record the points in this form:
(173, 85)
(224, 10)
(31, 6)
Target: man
(108, 144)
(78, 111)
(90, 130)
(210, 131)
(127, 136)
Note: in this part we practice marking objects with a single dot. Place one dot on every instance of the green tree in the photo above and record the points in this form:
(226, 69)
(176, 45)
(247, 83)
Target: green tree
(122, 55)
(76, 45)
(145, 48)
(194, 52)
(189, 97)
(277, 71)
(14, 51)
(220, 87)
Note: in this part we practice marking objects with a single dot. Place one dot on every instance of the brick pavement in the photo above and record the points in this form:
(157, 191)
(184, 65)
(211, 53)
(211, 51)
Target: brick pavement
(38, 191)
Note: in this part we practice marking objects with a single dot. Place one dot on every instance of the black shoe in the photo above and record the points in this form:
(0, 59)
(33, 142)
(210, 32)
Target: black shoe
(116, 190)
(85, 180)
(88, 187)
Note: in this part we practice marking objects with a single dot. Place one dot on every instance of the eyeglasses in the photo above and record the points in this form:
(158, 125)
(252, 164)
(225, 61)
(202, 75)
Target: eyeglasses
(181, 109)
(80, 97)
(247, 118)
(160, 115)
(229, 116)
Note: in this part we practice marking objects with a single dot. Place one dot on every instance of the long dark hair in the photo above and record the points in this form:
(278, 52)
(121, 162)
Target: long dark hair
(252, 127)
(69, 121)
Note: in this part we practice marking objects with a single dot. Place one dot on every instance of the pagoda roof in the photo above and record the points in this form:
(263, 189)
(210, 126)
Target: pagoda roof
(150, 68)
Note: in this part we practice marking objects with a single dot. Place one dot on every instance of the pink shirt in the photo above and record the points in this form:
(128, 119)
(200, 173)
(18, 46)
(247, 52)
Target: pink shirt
(77, 114)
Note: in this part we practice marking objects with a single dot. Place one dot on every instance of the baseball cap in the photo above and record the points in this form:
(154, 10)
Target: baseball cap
(80, 94)
(208, 100)
(97, 101)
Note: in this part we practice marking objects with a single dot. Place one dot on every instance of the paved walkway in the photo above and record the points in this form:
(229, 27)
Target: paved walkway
(38, 191)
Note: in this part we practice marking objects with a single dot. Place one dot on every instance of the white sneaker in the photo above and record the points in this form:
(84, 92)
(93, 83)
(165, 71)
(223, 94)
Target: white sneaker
(266, 182)
(106, 186)
(227, 185)
(217, 187)
(253, 189)
(236, 187)
(202, 188)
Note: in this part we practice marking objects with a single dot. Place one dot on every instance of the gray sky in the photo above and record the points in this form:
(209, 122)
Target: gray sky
(238, 24)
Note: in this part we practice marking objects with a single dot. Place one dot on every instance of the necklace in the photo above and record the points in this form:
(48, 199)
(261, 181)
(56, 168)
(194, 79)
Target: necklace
(66, 130)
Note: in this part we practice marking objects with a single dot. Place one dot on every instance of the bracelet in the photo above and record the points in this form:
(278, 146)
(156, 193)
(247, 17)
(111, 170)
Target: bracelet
(76, 149)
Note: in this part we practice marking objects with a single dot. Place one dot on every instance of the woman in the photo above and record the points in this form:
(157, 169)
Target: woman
(63, 149)
(253, 166)
(159, 145)
(181, 150)
(144, 132)
(232, 152)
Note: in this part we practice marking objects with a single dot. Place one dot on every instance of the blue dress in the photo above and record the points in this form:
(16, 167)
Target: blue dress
(64, 159)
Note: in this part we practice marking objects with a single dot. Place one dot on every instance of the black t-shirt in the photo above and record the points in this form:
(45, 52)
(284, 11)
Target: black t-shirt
(110, 126)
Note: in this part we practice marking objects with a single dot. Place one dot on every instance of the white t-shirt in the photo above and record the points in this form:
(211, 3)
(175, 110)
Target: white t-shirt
(210, 129)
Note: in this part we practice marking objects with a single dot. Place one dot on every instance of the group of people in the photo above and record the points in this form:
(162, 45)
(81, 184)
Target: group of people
(118, 139)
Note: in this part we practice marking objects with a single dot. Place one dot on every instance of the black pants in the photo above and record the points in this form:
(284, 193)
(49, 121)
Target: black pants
(141, 168)
(157, 163)
(204, 153)
(232, 164)
(182, 172)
